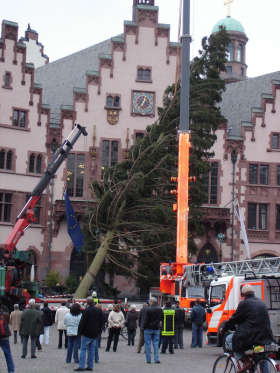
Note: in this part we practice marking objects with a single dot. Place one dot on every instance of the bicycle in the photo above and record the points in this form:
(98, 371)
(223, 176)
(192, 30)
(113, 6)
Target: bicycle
(257, 361)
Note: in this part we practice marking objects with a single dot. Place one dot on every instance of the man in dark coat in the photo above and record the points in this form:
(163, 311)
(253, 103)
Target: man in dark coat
(179, 326)
(252, 321)
(152, 324)
(47, 322)
(30, 327)
(198, 317)
(89, 328)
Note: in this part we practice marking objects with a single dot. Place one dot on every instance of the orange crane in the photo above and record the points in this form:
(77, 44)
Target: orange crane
(171, 274)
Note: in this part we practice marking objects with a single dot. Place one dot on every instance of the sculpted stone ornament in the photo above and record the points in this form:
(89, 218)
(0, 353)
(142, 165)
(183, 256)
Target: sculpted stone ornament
(112, 116)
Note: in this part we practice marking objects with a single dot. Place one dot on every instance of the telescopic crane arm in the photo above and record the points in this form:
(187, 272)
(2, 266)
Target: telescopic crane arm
(26, 216)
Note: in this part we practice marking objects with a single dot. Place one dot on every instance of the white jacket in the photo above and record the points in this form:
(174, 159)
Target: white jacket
(116, 319)
(59, 317)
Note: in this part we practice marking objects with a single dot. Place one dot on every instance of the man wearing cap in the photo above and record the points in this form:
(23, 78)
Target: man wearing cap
(252, 321)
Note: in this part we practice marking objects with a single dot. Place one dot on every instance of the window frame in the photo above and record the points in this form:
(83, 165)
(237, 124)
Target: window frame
(38, 160)
(257, 218)
(256, 175)
(116, 97)
(111, 143)
(7, 159)
(210, 186)
(7, 84)
(77, 175)
(20, 111)
(142, 78)
(6, 206)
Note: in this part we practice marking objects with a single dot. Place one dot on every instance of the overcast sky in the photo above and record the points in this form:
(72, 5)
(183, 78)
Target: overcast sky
(67, 26)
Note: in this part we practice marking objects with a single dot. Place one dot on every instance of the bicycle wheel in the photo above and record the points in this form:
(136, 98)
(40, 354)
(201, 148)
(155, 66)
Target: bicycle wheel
(266, 365)
(225, 364)
(124, 333)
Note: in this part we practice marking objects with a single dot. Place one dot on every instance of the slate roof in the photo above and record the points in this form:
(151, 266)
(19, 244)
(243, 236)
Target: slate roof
(60, 77)
(241, 97)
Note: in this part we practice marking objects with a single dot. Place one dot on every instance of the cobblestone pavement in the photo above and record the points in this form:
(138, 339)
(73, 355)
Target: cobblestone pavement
(125, 360)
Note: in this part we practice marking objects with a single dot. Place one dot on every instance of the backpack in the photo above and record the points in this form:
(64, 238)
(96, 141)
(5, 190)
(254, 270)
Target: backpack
(4, 327)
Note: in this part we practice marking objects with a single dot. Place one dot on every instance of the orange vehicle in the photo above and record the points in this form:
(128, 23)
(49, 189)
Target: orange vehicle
(223, 282)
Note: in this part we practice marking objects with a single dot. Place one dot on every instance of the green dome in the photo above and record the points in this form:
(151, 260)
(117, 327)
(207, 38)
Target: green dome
(230, 24)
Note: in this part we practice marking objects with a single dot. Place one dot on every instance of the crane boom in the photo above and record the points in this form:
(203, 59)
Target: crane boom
(26, 215)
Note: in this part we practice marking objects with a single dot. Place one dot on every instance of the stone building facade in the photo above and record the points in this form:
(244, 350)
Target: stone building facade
(113, 89)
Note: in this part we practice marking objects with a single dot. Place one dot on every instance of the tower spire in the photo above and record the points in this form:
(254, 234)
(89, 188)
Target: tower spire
(227, 3)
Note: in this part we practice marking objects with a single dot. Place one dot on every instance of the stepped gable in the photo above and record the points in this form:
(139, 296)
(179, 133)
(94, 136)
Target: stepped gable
(241, 100)
(66, 79)
(31, 34)
(10, 32)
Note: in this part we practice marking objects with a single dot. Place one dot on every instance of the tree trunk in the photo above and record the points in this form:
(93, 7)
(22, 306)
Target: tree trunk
(95, 266)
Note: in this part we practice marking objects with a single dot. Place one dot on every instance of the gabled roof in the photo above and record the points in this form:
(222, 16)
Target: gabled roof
(60, 77)
(241, 97)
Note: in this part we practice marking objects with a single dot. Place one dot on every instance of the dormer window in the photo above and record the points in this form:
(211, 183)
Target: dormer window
(144, 74)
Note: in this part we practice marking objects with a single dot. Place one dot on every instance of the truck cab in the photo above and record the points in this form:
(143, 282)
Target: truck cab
(224, 297)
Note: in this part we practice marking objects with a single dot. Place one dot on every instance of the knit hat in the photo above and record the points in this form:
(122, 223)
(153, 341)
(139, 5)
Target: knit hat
(247, 289)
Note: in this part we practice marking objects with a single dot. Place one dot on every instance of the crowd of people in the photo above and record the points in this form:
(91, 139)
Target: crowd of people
(80, 328)
(160, 328)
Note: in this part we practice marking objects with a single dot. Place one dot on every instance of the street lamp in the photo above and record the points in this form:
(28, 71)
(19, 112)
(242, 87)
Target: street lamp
(221, 238)
(233, 160)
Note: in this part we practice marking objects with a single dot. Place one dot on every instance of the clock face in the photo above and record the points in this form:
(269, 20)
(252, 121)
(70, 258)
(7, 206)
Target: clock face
(143, 103)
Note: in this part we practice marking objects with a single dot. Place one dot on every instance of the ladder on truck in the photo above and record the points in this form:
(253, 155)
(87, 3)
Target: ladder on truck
(202, 274)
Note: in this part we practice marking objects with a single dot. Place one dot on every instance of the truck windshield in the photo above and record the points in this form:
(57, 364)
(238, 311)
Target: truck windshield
(217, 294)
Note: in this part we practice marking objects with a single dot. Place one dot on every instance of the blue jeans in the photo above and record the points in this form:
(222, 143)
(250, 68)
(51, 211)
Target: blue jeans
(151, 335)
(197, 332)
(96, 354)
(87, 346)
(73, 348)
(5, 345)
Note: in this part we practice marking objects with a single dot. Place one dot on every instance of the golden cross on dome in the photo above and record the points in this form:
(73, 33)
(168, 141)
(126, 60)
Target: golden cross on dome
(227, 3)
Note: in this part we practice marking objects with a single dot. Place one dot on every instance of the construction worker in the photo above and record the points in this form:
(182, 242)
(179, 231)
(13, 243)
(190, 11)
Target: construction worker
(94, 296)
(168, 328)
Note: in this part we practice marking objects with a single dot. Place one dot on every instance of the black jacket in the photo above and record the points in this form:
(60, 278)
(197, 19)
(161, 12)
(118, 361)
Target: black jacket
(253, 324)
(153, 317)
(142, 317)
(131, 320)
(179, 317)
(198, 315)
(91, 322)
(47, 316)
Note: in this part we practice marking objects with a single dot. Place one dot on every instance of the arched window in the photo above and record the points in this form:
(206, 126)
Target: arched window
(32, 163)
(109, 101)
(9, 160)
(39, 164)
(230, 51)
(240, 53)
(2, 158)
